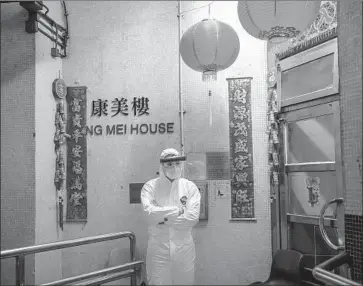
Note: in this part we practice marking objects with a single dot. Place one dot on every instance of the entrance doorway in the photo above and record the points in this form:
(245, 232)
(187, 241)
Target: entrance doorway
(311, 177)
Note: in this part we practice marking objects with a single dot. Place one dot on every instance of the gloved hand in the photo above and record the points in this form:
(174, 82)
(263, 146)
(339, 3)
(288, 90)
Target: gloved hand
(173, 214)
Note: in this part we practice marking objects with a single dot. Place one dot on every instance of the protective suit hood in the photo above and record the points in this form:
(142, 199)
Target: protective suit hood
(163, 172)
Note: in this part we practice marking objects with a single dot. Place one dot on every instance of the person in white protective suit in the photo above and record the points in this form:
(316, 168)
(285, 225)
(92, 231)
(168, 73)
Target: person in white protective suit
(171, 205)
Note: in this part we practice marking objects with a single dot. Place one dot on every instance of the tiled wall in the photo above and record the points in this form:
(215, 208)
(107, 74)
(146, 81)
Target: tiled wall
(354, 243)
(17, 139)
(350, 64)
(350, 55)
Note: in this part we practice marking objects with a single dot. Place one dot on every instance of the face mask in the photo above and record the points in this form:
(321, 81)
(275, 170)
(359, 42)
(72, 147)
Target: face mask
(173, 173)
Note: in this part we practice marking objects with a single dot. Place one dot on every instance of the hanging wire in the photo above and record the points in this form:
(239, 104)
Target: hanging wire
(197, 8)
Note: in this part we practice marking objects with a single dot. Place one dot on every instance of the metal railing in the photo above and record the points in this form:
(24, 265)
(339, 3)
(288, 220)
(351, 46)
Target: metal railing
(323, 274)
(108, 274)
(340, 246)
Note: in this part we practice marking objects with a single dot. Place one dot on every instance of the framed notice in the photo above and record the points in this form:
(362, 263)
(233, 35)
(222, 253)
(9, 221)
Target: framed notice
(218, 166)
(135, 192)
(203, 189)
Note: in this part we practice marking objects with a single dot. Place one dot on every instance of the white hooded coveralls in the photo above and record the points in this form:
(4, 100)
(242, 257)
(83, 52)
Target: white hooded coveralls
(171, 251)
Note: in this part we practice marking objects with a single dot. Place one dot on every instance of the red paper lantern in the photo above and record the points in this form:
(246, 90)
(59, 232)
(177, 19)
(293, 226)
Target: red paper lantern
(209, 46)
(269, 19)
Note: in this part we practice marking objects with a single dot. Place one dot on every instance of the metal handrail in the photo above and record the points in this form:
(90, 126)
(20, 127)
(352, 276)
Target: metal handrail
(19, 254)
(321, 225)
(322, 271)
(106, 278)
(110, 270)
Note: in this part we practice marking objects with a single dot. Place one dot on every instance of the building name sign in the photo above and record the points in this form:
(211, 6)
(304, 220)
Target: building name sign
(119, 107)
(132, 129)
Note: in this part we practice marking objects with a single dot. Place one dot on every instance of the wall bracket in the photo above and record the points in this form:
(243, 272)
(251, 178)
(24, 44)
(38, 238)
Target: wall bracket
(39, 21)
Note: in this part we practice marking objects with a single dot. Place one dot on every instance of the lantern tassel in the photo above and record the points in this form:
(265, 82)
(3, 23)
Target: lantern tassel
(209, 75)
(210, 108)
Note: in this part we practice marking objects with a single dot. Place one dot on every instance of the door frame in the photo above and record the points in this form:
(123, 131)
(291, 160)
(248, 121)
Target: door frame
(283, 198)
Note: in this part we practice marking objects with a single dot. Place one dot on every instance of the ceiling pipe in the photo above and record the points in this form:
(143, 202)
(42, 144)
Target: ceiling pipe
(181, 99)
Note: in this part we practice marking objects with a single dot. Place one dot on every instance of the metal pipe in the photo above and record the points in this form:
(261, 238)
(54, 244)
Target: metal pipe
(20, 253)
(132, 239)
(41, 3)
(133, 258)
(67, 26)
(66, 281)
(50, 29)
(108, 278)
(69, 243)
(60, 27)
(49, 37)
(20, 270)
(133, 281)
(66, 17)
(181, 101)
(332, 279)
(321, 273)
(336, 261)
(331, 222)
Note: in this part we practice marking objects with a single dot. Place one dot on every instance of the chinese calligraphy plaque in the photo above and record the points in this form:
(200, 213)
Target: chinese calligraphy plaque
(77, 154)
(241, 150)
